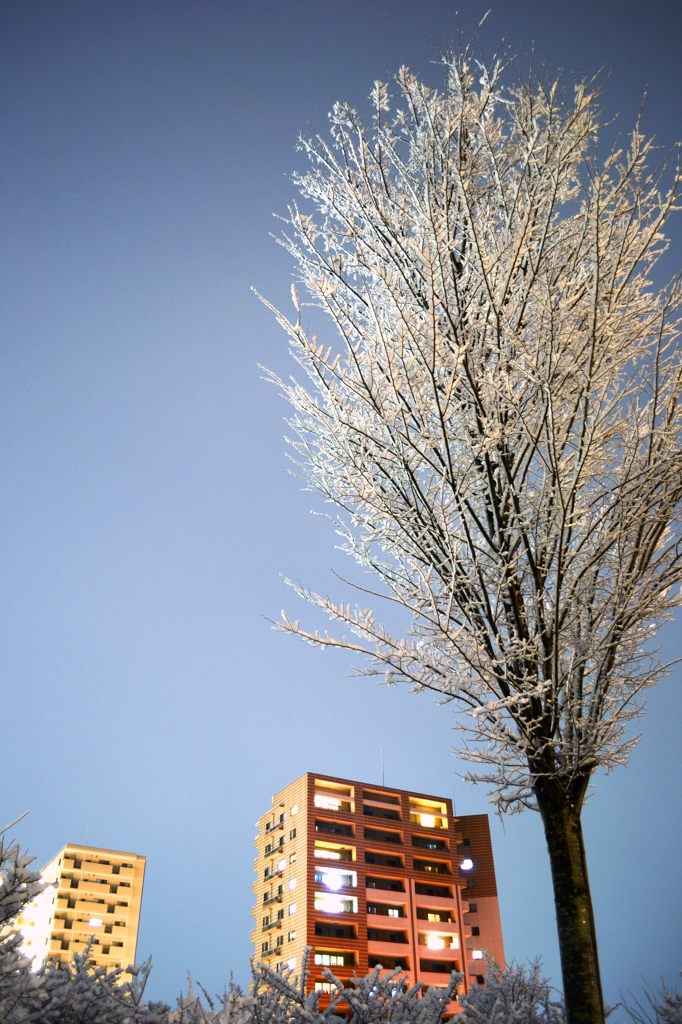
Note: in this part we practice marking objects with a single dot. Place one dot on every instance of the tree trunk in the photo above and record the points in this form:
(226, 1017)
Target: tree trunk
(575, 921)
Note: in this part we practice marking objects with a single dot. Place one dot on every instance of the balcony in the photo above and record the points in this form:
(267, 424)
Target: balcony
(279, 950)
(273, 924)
(389, 884)
(438, 967)
(384, 935)
(381, 812)
(377, 836)
(434, 867)
(333, 828)
(277, 898)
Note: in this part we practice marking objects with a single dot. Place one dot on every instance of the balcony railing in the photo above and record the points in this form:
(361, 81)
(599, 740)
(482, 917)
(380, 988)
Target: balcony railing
(277, 898)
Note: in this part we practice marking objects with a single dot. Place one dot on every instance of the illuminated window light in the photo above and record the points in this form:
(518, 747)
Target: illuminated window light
(327, 803)
(466, 864)
(291, 963)
(427, 820)
(328, 854)
(477, 954)
(435, 942)
(95, 922)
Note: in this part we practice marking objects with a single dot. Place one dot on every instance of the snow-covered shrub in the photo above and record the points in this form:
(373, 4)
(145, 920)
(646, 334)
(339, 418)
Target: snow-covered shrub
(513, 996)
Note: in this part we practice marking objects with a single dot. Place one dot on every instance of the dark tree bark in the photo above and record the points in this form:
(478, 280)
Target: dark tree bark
(560, 812)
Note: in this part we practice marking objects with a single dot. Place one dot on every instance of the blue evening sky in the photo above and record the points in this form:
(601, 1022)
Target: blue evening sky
(146, 508)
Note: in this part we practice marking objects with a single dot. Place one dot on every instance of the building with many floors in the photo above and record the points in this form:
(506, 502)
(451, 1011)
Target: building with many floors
(92, 893)
(370, 875)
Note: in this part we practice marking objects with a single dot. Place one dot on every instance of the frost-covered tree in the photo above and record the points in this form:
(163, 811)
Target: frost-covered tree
(498, 428)
(516, 995)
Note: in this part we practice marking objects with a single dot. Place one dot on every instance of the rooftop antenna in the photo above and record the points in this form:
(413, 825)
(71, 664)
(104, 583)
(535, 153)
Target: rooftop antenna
(87, 833)
(382, 767)
(13, 823)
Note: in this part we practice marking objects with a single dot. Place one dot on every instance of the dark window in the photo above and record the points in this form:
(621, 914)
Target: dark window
(292, 834)
(433, 890)
(437, 966)
(473, 909)
(480, 980)
(383, 935)
(335, 931)
(335, 828)
(385, 883)
(383, 858)
(466, 842)
(475, 930)
(381, 812)
(388, 962)
(429, 843)
(382, 837)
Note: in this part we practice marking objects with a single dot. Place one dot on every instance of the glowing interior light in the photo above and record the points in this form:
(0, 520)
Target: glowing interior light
(328, 803)
(328, 854)
(333, 880)
(427, 820)
(467, 864)
(95, 922)
(435, 942)
(477, 954)
(330, 904)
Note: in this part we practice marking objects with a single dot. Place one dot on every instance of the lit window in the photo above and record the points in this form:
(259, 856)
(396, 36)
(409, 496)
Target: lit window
(294, 810)
(328, 854)
(291, 963)
(330, 903)
(335, 879)
(323, 986)
(95, 922)
(427, 820)
(281, 864)
(433, 917)
(291, 936)
(467, 864)
(292, 858)
(329, 959)
(393, 912)
(477, 954)
(435, 942)
(292, 909)
(292, 884)
(328, 803)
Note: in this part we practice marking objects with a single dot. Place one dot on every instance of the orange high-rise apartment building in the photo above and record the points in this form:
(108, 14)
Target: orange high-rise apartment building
(369, 875)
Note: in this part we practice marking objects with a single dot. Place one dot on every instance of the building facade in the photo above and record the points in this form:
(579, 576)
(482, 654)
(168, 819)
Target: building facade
(369, 875)
(92, 893)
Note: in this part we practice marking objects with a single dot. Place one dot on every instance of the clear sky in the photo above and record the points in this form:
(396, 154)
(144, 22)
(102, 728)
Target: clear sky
(146, 509)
